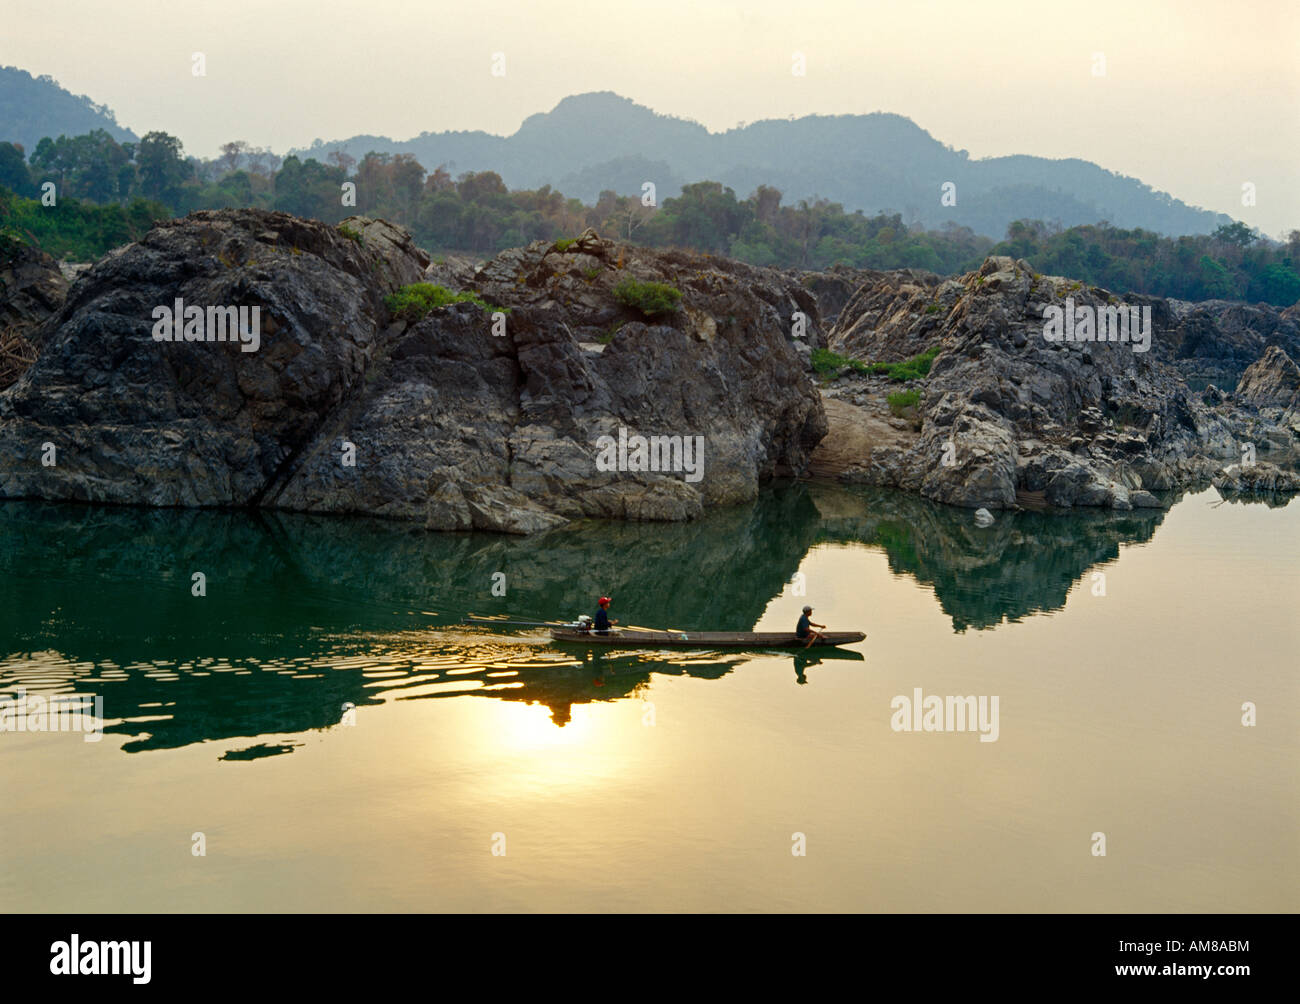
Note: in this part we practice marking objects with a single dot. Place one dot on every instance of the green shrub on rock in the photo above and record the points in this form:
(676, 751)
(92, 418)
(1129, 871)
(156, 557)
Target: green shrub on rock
(650, 298)
(912, 369)
(410, 303)
(900, 403)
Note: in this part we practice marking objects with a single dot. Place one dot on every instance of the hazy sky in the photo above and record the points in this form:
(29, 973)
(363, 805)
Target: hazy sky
(1197, 98)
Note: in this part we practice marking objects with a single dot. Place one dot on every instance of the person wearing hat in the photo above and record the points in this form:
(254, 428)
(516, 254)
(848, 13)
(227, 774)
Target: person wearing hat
(805, 628)
(602, 616)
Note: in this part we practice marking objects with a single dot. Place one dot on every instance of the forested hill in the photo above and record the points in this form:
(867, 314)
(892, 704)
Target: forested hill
(32, 108)
(878, 162)
(595, 142)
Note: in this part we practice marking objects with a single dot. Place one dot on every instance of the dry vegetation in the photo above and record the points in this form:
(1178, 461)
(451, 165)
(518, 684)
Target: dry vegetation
(16, 354)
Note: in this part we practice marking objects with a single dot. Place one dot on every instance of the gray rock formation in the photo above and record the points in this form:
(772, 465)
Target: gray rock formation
(894, 315)
(465, 418)
(1272, 381)
(32, 288)
(1257, 478)
(1009, 415)
(1216, 340)
(835, 287)
(493, 414)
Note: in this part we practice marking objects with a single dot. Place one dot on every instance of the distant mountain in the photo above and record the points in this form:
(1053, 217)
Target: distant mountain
(32, 108)
(874, 162)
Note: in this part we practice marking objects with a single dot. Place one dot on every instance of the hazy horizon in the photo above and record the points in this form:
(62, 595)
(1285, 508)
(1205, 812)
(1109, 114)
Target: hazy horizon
(1020, 83)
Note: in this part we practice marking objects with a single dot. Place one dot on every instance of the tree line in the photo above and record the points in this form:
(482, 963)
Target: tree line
(109, 193)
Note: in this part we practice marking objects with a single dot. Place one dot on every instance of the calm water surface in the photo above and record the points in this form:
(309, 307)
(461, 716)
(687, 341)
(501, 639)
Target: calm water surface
(1121, 648)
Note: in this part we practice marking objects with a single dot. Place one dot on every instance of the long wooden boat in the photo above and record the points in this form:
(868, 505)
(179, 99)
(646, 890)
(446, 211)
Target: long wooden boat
(702, 639)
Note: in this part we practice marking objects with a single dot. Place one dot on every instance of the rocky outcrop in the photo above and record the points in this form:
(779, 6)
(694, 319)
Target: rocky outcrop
(835, 287)
(474, 416)
(191, 423)
(500, 432)
(1257, 478)
(500, 411)
(1270, 391)
(1272, 381)
(32, 287)
(73, 270)
(1009, 414)
(1215, 340)
(454, 271)
(894, 315)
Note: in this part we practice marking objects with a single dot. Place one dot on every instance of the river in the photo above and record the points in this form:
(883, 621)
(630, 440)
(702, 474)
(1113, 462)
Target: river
(320, 731)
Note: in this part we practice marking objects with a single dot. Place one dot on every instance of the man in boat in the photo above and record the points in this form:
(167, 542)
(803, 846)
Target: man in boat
(602, 616)
(805, 628)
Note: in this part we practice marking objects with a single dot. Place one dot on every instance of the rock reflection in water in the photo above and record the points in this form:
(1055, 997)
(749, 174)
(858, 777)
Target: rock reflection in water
(307, 618)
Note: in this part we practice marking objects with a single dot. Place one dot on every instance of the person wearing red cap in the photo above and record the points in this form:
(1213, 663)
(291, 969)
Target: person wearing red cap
(602, 616)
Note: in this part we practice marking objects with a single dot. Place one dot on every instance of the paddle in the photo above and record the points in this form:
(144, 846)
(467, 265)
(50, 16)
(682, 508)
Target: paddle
(478, 619)
(667, 632)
